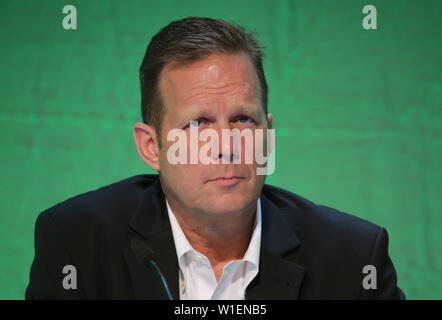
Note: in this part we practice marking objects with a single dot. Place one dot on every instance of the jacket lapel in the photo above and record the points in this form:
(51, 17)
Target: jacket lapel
(150, 223)
(280, 276)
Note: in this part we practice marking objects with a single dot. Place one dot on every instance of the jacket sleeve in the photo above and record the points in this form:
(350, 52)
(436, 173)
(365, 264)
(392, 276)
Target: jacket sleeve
(51, 256)
(386, 279)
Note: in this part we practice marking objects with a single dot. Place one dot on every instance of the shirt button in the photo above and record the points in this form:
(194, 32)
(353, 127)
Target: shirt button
(198, 259)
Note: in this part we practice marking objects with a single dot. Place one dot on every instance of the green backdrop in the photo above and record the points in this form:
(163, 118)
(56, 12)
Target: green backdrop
(358, 113)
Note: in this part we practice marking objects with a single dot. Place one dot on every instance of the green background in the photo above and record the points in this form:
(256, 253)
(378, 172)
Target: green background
(358, 113)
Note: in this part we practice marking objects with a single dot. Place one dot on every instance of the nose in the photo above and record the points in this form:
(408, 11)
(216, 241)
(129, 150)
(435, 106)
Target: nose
(229, 151)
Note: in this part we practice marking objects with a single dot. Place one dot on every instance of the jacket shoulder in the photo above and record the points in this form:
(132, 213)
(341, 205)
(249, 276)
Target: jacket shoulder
(110, 204)
(335, 248)
(321, 225)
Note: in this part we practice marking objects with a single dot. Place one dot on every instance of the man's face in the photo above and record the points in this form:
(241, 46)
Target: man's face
(220, 92)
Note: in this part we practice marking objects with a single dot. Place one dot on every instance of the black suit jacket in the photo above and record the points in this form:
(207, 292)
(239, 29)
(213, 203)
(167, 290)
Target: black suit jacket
(307, 251)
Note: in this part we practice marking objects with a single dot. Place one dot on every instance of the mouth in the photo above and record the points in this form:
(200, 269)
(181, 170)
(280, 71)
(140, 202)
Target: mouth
(226, 181)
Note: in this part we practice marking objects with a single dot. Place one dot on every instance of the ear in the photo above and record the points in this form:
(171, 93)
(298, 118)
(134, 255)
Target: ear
(272, 137)
(270, 120)
(147, 145)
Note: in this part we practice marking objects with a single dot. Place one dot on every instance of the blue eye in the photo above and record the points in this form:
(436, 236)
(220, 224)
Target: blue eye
(195, 123)
(244, 119)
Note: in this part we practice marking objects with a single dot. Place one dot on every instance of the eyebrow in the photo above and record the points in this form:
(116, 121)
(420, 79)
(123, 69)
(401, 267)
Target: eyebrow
(198, 111)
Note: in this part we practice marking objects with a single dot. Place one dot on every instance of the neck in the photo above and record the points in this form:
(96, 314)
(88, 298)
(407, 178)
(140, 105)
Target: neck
(220, 238)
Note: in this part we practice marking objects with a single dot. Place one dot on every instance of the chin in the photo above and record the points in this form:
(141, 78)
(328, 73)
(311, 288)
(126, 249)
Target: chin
(228, 204)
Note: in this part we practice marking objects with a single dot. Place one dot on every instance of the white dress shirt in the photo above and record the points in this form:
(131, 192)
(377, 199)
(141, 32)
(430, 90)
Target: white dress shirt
(196, 276)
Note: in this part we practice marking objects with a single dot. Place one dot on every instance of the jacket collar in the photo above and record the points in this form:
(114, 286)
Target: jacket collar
(151, 224)
(278, 277)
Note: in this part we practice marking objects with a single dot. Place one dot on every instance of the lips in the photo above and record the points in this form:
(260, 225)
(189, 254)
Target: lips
(226, 181)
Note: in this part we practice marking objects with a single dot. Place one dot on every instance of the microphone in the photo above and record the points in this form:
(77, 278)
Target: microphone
(145, 256)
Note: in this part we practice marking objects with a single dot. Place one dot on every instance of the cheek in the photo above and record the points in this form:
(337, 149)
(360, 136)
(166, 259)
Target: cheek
(254, 148)
(183, 176)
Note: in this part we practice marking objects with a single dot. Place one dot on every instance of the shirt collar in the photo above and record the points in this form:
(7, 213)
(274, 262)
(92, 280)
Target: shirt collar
(183, 246)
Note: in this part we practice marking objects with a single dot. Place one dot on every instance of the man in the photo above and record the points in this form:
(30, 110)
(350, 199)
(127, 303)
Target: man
(216, 231)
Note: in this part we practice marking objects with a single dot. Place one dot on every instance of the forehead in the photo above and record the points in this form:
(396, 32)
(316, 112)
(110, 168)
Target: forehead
(217, 79)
